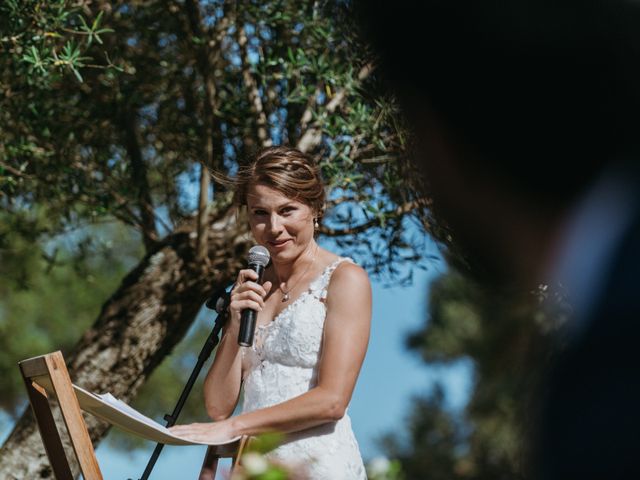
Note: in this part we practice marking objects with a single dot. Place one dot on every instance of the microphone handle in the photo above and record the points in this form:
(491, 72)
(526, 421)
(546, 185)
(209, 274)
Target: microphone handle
(248, 318)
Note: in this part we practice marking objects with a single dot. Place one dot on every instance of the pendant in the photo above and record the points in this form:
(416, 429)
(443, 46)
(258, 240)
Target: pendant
(285, 298)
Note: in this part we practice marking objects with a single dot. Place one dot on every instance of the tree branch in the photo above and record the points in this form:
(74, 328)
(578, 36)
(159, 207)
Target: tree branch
(313, 135)
(357, 198)
(139, 178)
(399, 211)
(124, 213)
(307, 115)
(205, 61)
(123, 206)
(14, 171)
(252, 88)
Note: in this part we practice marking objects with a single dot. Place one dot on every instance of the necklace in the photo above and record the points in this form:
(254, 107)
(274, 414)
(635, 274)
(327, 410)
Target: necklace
(285, 297)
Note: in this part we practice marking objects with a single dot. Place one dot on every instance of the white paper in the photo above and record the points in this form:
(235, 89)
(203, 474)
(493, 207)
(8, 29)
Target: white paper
(118, 413)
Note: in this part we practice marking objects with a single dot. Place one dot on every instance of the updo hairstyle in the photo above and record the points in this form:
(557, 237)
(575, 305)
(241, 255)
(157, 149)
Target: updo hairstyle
(287, 170)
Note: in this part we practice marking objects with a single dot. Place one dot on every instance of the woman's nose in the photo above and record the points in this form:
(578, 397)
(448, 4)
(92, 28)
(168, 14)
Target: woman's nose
(275, 225)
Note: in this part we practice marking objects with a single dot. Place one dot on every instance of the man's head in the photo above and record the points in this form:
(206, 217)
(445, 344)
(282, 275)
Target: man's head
(524, 101)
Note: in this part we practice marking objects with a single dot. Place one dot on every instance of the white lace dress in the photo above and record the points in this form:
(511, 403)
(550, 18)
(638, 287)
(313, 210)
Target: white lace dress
(282, 364)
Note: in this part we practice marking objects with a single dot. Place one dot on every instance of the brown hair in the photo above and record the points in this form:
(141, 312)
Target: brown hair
(285, 169)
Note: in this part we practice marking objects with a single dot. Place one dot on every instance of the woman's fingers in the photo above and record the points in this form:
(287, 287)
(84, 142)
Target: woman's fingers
(240, 305)
(250, 285)
(204, 432)
(247, 293)
(246, 275)
(257, 295)
(181, 429)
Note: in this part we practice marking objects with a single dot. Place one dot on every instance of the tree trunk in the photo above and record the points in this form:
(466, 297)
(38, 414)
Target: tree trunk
(137, 328)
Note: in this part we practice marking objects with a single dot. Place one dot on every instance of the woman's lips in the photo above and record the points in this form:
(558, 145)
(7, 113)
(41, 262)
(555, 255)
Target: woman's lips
(279, 243)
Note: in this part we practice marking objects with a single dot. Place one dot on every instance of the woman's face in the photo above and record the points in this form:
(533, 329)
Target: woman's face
(283, 225)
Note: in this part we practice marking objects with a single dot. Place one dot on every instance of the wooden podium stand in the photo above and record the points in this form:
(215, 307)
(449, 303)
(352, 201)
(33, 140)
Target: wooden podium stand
(50, 369)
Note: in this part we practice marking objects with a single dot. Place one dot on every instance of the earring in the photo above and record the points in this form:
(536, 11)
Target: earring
(315, 223)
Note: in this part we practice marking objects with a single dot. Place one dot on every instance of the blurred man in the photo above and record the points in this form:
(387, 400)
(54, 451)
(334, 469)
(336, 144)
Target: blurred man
(527, 118)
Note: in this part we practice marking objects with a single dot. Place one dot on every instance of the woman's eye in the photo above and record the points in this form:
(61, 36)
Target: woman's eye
(259, 212)
(288, 209)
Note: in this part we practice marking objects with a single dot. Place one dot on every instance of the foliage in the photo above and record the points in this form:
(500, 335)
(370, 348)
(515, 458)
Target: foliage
(131, 144)
(192, 86)
(428, 450)
(46, 302)
(381, 468)
(507, 336)
(46, 40)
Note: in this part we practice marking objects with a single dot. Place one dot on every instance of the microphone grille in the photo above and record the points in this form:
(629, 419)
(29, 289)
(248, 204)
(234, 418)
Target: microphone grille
(259, 254)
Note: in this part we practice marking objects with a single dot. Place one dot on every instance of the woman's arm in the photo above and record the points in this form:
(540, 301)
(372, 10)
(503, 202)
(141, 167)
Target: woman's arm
(346, 335)
(223, 381)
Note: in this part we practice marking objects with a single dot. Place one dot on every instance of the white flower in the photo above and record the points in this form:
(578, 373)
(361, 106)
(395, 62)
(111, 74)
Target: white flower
(378, 466)
(254, 463)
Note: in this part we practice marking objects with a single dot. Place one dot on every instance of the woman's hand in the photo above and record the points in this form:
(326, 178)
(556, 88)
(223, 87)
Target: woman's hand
(210, 433)
(247, 294)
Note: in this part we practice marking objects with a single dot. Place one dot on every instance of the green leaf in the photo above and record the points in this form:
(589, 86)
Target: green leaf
(76, 73)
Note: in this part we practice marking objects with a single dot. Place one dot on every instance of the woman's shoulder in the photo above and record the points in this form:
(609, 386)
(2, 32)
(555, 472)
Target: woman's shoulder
(340, 271)
(348, 286)
(347, 275)
(347, 270)
(338, 266)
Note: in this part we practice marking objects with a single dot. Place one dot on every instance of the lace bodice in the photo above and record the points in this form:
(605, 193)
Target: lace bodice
(282, 364)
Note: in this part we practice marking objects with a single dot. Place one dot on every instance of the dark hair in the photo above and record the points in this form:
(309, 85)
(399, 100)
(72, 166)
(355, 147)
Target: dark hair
(541, 92)
(285, 169)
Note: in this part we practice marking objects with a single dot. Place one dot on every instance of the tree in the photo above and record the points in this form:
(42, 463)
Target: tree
(45, 301)
(510, 336)
(433, 437)
(185, 87)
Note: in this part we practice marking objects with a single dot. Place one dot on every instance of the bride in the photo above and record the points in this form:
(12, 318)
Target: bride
(313, 323)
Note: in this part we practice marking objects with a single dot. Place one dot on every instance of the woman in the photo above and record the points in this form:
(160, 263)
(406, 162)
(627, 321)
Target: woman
(314, 315)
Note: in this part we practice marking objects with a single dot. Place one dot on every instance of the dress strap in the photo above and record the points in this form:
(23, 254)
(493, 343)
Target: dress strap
(319, 286)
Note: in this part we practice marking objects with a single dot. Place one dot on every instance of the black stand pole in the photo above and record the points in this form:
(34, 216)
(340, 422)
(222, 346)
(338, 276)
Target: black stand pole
(219, 303)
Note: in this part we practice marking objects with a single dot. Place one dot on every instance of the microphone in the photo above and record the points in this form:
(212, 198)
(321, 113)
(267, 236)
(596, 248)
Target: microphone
(258, 259)
(219, 301)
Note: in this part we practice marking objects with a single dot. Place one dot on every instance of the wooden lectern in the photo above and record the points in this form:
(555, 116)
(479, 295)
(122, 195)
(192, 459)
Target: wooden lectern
(50, 370)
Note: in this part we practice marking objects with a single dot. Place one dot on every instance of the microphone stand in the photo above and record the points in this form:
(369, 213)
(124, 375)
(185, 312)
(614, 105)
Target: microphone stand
(219, 302)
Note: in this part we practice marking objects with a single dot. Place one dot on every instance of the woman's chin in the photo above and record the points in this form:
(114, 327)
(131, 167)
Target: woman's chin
(279, 255)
